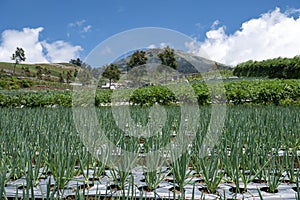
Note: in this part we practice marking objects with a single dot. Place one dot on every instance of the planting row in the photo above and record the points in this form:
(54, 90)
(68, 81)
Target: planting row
(257, 144)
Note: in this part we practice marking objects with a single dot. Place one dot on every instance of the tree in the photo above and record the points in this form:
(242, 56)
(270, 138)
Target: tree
(18, 57)
(75, 73)
(137, 58)
(69, 76)
(39, 73)
(167, 57)
(111, 72)
(61, 78)
(77, 62)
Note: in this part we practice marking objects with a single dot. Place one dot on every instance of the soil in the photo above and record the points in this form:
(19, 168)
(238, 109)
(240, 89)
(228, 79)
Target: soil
(201, 181)
(113, 187)
(175, 189)
(267, 189)
(96, 178)
(90, 198)
(259, 181)
(238, 190)
(204, 190)
(85, 186)
(145, 188)
(296, 189)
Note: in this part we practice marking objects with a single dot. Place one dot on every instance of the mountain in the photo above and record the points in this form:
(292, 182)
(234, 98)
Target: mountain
(187, 62)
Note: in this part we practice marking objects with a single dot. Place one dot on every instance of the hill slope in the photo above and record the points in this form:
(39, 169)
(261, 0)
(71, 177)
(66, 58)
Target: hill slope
(187, 63)
(50, 72)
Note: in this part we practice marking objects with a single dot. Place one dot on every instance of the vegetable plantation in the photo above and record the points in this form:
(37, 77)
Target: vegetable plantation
(256, 155)
(255, 92)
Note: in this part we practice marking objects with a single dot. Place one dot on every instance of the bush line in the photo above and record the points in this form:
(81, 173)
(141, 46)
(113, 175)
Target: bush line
(275, 92)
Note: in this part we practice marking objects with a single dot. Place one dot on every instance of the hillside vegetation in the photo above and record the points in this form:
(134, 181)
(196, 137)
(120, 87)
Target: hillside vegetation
(288, 68)
(50, 72)
(32, 75)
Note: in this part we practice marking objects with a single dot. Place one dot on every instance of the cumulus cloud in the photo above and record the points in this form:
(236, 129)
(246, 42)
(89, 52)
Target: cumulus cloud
(215, 24)
(271, 35)
(60, 51)
(36, 51)
(28, 39)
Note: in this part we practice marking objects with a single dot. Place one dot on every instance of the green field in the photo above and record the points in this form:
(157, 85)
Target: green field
(257, 144)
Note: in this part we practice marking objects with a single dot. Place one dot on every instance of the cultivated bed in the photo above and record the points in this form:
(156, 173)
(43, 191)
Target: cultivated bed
(255, 156)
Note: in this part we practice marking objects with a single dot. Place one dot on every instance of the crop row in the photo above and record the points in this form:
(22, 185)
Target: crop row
(38, 143)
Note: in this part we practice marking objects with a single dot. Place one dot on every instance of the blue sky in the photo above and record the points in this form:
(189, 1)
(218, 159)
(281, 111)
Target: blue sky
(62, 29)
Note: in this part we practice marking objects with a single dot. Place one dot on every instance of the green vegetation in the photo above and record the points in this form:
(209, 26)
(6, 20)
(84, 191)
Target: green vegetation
(12, 83)
(111, 72)
(263, 91)
(77, 62)
(137, 58)
(36, 99)
(288, 68)
(47, 142)
(259, 141)
(151, 95)
(256, 92)
(39, 72)
(167, 57)
(18, 57)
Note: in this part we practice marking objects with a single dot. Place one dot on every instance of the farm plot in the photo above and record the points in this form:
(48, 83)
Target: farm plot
(256, 156)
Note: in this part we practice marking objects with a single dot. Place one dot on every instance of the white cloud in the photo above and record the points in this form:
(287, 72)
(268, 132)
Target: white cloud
(87, 28)
(77, 23)
(271, 35)
(160, 45)
(60, 51)
(28, 39)
(151, 46)
(215, 24)
(163, 45)
(292, 11)
(80, 27)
